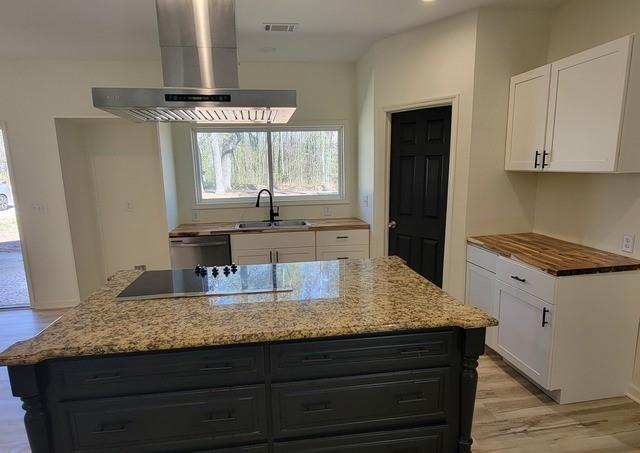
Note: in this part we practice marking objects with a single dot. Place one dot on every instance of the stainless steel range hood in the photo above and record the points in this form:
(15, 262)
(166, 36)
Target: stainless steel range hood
(200, 71)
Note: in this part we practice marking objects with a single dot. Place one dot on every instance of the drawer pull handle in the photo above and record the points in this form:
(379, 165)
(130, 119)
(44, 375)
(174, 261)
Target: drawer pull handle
(343, 257)
(212, 418)
(520, 279)
(410, 398)
(103, 377)
(314, 408)
(342, 237)
(216, 368)
(111, 428)
(415, 351)
(316, 359)
(545, 310)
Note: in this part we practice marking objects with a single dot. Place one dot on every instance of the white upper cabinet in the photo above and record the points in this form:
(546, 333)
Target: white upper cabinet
(577, 105)
(528, 101)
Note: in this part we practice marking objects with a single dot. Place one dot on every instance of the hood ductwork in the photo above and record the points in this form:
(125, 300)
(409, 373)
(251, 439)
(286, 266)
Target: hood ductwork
(200, 73)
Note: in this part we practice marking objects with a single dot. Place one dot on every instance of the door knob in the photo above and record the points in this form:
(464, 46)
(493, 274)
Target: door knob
(392, 224)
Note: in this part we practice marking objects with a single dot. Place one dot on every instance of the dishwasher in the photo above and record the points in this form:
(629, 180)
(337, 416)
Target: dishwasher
(188, 252)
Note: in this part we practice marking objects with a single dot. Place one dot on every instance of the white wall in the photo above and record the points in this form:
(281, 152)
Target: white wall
(429, 62)
(32, 94)
(509, 41)
(113, 186)
(365, 86)
(595, 210)
(325, 95)
(170, 186)
(81, 206)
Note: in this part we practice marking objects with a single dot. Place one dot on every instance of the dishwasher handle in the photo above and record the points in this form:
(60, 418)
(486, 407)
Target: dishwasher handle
(199, 244)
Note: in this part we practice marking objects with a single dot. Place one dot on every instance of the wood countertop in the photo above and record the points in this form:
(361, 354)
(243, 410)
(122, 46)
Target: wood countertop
(554, 256)
(212, 229)
(329, 298)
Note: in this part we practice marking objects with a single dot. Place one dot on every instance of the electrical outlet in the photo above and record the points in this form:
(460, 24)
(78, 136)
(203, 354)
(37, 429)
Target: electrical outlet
(39, 208)
(628, 242)
(364, 201)
(128, 206)
(195, 215)
(327, 211)
(140, 267)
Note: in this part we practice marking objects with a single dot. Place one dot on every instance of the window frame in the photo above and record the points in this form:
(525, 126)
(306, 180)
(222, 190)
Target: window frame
(338, 198)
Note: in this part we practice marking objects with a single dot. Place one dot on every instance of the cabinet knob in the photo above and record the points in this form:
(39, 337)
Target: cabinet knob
(392, 224)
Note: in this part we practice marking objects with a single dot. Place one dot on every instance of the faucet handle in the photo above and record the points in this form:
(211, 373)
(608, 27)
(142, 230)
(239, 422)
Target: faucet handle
(276, 211)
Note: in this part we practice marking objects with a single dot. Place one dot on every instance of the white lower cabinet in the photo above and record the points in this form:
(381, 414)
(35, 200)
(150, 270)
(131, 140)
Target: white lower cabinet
(573, 336)
(265, 248)
(481, 284)
(525, 333)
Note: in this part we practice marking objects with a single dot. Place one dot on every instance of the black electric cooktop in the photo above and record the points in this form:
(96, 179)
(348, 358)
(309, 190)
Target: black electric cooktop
(208, 281)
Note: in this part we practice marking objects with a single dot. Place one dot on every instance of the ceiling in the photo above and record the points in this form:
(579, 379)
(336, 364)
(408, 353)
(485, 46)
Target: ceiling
(329, 30)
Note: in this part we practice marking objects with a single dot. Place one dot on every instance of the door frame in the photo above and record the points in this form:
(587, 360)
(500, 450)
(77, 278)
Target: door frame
(450, 100)
(16, 205)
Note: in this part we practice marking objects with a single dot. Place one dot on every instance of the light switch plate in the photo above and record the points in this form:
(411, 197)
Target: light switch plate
(628, 242)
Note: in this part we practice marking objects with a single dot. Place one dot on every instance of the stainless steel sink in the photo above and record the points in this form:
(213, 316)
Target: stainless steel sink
(275, 225)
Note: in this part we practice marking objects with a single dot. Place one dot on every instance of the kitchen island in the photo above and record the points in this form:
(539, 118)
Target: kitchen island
(364, 355)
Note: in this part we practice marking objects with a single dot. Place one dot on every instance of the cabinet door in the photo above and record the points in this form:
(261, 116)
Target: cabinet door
(294, 254)
(481, 293)
(586, 105)
(258, 256)
(528, 101)
(525, 332)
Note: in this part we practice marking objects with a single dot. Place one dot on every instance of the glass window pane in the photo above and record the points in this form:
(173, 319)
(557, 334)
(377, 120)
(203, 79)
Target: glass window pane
(306, 163)
(232, 164)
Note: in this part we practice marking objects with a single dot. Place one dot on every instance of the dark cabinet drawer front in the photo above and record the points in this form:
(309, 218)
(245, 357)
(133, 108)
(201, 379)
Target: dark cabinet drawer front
(124, 375)
(326, 358)
(246, 449)
(159, 422)
(418, 440)
(362, 402)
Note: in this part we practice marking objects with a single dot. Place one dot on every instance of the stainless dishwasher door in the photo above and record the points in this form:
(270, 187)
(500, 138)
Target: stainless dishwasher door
(187, 252)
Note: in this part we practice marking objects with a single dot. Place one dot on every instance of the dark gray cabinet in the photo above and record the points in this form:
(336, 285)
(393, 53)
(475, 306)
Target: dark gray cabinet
(398, 393)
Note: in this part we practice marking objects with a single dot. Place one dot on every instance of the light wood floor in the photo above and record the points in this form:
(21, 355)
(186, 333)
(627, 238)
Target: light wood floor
(512, 415)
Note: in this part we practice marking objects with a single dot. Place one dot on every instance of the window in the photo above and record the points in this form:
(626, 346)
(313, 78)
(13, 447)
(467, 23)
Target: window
(233, 165)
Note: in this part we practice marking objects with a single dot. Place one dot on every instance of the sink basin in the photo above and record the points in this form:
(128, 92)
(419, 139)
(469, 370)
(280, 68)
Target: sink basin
(275, 225)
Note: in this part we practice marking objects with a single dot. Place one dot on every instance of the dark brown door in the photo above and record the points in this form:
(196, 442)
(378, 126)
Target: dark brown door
(420, 142)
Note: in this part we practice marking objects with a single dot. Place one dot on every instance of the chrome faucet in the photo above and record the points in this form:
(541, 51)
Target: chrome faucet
(273, 213)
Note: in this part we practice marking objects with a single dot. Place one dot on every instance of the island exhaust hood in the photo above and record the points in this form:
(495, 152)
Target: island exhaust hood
(200, 72)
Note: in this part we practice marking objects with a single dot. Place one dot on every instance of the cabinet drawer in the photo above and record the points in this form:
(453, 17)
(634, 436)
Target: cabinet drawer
(362, 402)
(482, 258)
(328, 358)
(255, 241)
(163, 422)
(342, 237)
(435, 439)
(123, 375)
(263, 448)
(343, 252)
(526, 278)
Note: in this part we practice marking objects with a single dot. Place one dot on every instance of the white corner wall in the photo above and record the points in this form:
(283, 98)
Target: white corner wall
(325, 95)
(591, 209)
(32, 94)
(509, 41)
(115, 201)
(429, 62)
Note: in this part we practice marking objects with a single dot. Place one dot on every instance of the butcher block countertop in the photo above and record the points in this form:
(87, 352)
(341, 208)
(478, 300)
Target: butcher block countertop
(211, 229)
(329, 298)
(554, 256)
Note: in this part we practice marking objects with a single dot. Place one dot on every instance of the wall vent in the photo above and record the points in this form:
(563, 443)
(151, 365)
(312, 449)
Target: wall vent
(280, 26)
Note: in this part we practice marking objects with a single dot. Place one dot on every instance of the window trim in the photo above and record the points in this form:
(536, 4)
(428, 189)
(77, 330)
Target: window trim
(339, 198)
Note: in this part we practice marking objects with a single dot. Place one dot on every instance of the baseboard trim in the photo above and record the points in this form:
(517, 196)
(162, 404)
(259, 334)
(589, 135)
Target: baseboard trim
(633, 393)
(55, 305)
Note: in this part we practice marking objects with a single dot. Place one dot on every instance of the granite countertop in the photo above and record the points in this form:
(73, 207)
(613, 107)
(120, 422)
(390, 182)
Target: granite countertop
(554, 256)
(211, 229)
(330, 298)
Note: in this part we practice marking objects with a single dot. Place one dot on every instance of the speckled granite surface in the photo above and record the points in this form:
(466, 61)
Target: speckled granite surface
(330, 298)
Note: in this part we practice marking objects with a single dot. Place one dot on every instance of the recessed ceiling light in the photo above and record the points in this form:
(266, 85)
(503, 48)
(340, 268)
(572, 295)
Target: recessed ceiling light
(428, 1)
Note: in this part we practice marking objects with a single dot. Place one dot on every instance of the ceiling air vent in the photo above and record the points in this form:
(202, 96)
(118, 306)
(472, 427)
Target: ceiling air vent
(280, 27)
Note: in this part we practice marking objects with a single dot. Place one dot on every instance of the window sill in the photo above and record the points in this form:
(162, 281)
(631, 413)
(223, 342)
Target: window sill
(264, 202)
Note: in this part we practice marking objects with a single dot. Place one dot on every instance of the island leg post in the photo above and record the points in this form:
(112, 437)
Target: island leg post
(473, 347)
(24, 384)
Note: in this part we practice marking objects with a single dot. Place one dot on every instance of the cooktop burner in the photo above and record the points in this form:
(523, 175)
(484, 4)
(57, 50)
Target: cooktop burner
(208, 281)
